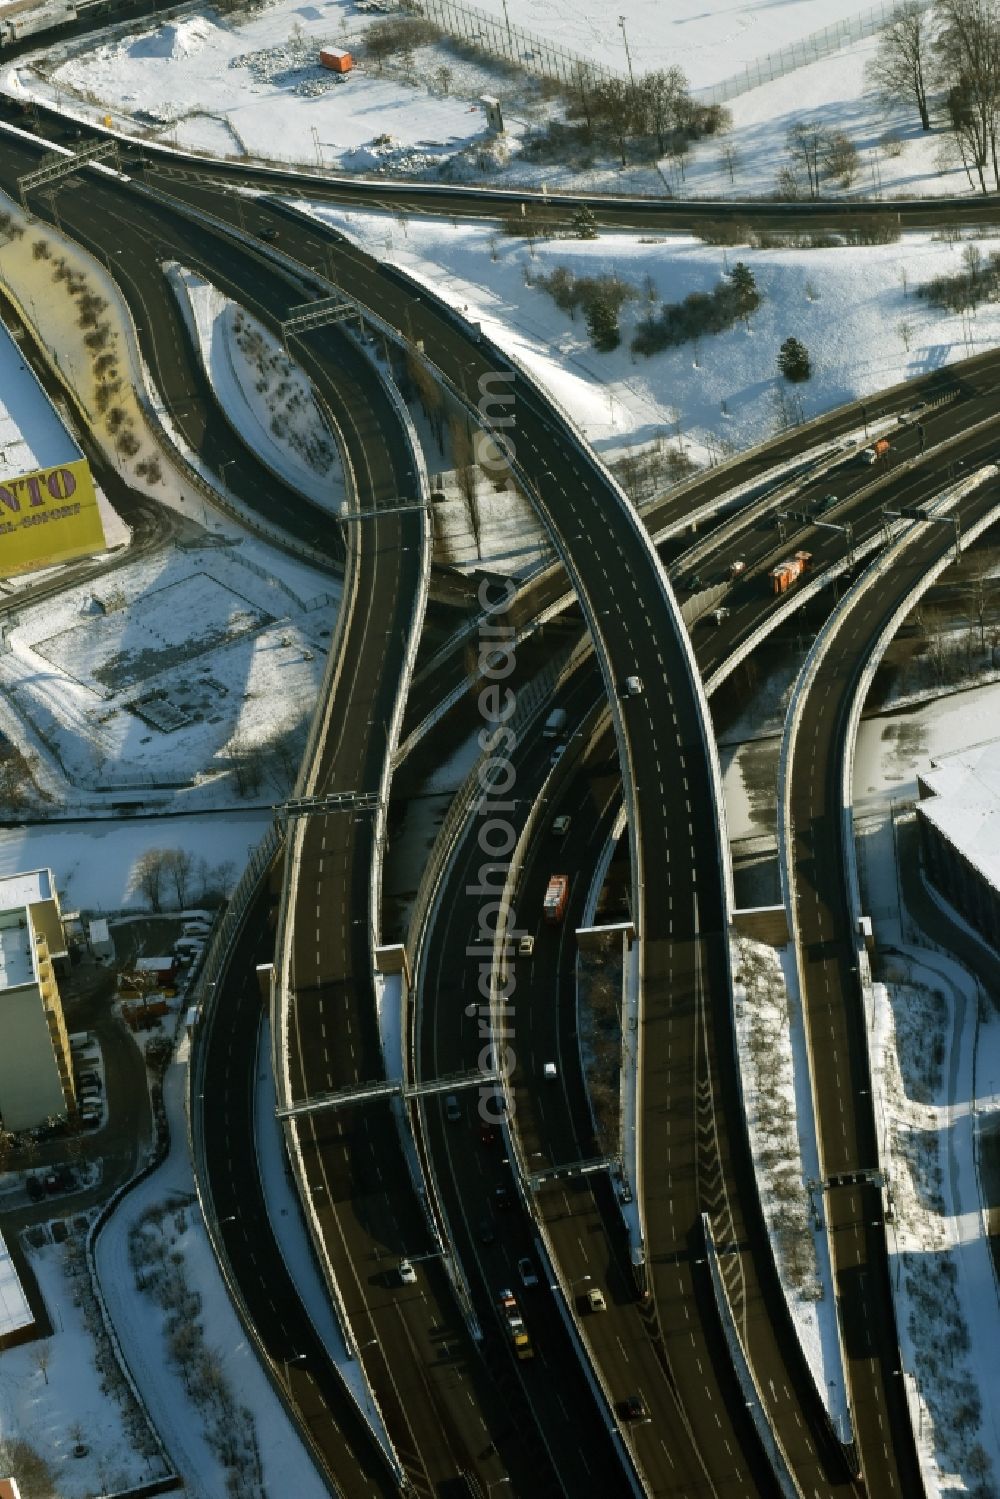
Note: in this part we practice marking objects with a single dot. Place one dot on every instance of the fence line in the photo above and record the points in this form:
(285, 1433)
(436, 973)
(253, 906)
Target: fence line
(806, 50)
(512, 44)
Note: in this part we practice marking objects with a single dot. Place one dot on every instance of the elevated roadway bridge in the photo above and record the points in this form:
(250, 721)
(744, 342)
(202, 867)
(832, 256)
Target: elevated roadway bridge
(583, 1217)
(683, 928)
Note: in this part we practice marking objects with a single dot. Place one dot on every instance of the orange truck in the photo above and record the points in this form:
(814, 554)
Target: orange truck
(556, 896)
(876, 451)
(789, 571)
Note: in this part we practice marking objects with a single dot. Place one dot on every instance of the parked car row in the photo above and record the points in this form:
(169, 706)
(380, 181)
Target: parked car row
(89, 1087)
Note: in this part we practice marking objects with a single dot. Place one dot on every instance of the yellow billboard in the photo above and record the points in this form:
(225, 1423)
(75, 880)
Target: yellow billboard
(47, 517)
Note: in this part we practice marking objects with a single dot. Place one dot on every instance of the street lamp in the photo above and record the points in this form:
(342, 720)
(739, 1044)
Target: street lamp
(628, 54)
(296, 1358)
(495, 1483)
(570, 1284)
(226, 463)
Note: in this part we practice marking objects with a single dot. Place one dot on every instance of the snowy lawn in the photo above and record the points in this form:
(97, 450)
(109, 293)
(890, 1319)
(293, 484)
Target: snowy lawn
(94, 864)
(168, 673)
(896, 157)
(64, 1393)
(854, 308)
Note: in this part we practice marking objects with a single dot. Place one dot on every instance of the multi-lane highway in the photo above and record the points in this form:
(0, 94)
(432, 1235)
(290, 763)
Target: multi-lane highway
(446, 1409)
(833, 1009)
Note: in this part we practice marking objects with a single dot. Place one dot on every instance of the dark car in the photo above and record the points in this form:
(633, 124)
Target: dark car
(34, 1188)
(487, 1134)
(632, 1408)
(487, 1232)
(269, 233)
(501, 1196)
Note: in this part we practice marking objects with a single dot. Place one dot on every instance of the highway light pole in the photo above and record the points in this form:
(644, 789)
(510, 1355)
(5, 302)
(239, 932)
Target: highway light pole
(296, 1358)
(628, 54)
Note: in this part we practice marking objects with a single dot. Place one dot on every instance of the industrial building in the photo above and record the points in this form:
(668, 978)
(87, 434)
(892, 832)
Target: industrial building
(36, 1072)
(959, 821)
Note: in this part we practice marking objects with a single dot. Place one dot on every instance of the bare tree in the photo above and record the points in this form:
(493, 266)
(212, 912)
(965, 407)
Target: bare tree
(178, 865)
(967, 52)
(42, 1360)
(147, 876)
(807, 145)
(463, 458)
(840, 158)
(898, 71)
(730, 159)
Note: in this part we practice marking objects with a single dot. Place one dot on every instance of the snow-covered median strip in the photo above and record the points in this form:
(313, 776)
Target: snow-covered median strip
(774, 1067)
(926, 1033)
(265, 397)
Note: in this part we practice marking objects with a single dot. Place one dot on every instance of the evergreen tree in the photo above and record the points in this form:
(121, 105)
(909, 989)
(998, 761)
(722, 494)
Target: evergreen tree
(602, 325)
(793, 361)
(744, 285)
(584, 223)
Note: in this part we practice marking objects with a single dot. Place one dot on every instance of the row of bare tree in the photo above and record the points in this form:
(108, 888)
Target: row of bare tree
(948, 54)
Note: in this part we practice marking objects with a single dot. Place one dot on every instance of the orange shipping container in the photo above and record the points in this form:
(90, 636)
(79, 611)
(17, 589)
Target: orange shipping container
(336, 60)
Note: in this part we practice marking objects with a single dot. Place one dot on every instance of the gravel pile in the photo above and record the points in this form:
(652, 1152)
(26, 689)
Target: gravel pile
(294, 65)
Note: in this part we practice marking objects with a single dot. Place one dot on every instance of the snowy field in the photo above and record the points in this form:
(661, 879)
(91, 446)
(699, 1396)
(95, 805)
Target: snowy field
(254, 88)
(192, 659)
(896, 157)
(855, 309)
(94, 863)
(709, 42)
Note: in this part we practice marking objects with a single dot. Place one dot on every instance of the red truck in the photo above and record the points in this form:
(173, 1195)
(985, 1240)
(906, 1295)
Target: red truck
(556, 896)
(787, 572)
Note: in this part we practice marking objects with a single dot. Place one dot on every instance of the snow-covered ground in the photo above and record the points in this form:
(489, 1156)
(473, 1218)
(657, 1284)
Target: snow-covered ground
(94, 863)
(854, 308)
(775, 1072)
(895, 157)
(162, 1208)
(708, 41)
(52, 1396)
(265, 396)
(166, 673)
(894, 746)
(924, 1043)
(254, 87)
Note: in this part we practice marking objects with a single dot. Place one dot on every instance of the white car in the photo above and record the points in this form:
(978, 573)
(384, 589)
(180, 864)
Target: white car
(549, 1072)
(560, 824)
(526, 946)
(407, 1274)
(632, 687)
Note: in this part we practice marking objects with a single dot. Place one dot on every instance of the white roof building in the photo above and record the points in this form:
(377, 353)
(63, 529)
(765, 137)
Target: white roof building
(962, 800)
(15, 1313)
(959, 821)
